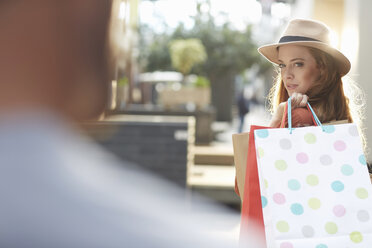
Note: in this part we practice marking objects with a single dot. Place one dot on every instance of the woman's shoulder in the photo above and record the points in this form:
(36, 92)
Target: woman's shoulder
(302, 117)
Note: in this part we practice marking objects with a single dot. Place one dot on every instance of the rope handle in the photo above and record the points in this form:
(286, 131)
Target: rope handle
(288, 114)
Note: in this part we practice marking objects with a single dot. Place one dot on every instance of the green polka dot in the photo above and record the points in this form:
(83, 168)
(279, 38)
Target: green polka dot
(314, 203)
(331, 227)
(337, 186)
(263, 201)
(262, 133)
(294, 184)
(261, 152)
(310, 138)
(266, 184)
(356, 237)
(297, 209)
(347, 170)
(329, 129)
(312, 180)
(361, 193)
(282, 226)
(362, 160)
(281, 165)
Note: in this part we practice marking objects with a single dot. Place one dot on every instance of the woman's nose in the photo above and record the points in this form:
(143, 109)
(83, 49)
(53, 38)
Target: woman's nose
(287, 73)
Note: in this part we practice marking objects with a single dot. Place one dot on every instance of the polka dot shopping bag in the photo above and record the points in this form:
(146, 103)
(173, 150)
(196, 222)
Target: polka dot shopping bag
(315, 187)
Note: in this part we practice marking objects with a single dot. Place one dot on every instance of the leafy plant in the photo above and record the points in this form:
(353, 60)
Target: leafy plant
(185, 53)
(202, 82)
(123, 81)
(228, 53)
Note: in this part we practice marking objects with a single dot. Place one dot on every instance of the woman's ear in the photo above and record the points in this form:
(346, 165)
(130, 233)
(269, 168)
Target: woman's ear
(321, 68)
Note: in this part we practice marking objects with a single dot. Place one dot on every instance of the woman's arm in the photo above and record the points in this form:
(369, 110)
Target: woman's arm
(278, 115)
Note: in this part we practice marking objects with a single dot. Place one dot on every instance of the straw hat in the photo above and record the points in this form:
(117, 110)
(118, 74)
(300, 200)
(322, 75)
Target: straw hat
(306, 33)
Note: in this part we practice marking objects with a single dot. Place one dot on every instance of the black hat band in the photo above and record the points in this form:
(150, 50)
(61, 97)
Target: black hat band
(296, 38)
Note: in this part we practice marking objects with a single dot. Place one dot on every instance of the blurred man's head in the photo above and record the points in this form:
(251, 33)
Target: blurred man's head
(53, 54)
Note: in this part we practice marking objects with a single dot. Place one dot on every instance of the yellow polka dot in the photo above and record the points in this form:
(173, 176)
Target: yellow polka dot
(314, 203)
(281, 165)
(310, 138)
(356, 237)
(312, 180)
(282, 226)
(331, 227)
(261, 152)
(361, 193)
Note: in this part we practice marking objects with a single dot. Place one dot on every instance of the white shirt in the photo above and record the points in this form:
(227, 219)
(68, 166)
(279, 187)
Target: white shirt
(59, 189)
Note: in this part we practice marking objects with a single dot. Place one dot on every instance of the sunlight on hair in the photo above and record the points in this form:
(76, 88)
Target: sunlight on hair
(357, 105)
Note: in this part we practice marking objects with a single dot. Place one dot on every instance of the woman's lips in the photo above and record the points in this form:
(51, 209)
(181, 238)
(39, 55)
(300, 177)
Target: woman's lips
(291, 86)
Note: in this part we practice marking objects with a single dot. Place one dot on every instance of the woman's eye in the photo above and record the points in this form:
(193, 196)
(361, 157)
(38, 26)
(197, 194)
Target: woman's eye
(281, 66)
(299, 64)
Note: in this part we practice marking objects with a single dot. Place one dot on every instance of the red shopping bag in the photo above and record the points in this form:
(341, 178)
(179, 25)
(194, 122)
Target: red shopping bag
(251, 212)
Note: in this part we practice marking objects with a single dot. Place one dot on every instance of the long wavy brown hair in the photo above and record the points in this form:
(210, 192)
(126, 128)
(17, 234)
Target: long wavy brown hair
(326, 95)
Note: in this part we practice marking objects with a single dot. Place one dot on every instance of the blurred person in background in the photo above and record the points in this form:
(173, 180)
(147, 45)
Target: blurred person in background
(57, 188)
(243, 109)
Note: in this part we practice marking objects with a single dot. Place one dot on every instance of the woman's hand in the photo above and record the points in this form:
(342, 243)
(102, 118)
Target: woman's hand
(299, 100)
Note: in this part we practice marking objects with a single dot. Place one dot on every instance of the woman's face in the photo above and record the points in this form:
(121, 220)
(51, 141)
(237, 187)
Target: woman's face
(298, 68)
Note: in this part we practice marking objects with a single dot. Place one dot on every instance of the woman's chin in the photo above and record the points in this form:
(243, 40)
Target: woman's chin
(290, 92)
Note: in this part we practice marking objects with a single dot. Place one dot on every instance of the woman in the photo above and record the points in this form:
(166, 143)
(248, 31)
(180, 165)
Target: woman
(310, 71)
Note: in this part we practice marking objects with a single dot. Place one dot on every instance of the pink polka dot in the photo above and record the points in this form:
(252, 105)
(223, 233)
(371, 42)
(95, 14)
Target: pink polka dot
(302, 157)
(339, 145)
(339, 210)
(279, 198)
(286, 245)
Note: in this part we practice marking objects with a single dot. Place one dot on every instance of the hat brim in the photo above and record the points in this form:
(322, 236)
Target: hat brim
(270, 52)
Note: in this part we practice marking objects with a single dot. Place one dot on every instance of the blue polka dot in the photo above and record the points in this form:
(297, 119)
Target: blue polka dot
(347, 170)
(262, 133)
(321, 246)
(293, 184)
(337, 186)
(362, 160)
(297, 209)
(329, 129)
(263, 201)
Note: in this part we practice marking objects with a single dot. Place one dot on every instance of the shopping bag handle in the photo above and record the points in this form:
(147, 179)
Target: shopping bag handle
(285, 114)
(288, 112)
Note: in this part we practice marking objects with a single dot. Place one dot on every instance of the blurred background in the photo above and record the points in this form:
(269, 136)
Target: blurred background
(187, 75)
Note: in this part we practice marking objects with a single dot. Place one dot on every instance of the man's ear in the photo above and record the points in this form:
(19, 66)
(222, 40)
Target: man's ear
(86, 67)
(87, 99)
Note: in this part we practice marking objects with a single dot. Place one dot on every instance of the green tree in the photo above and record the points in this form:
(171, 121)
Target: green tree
(153, 50)
(229, 53)
(185, 53)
